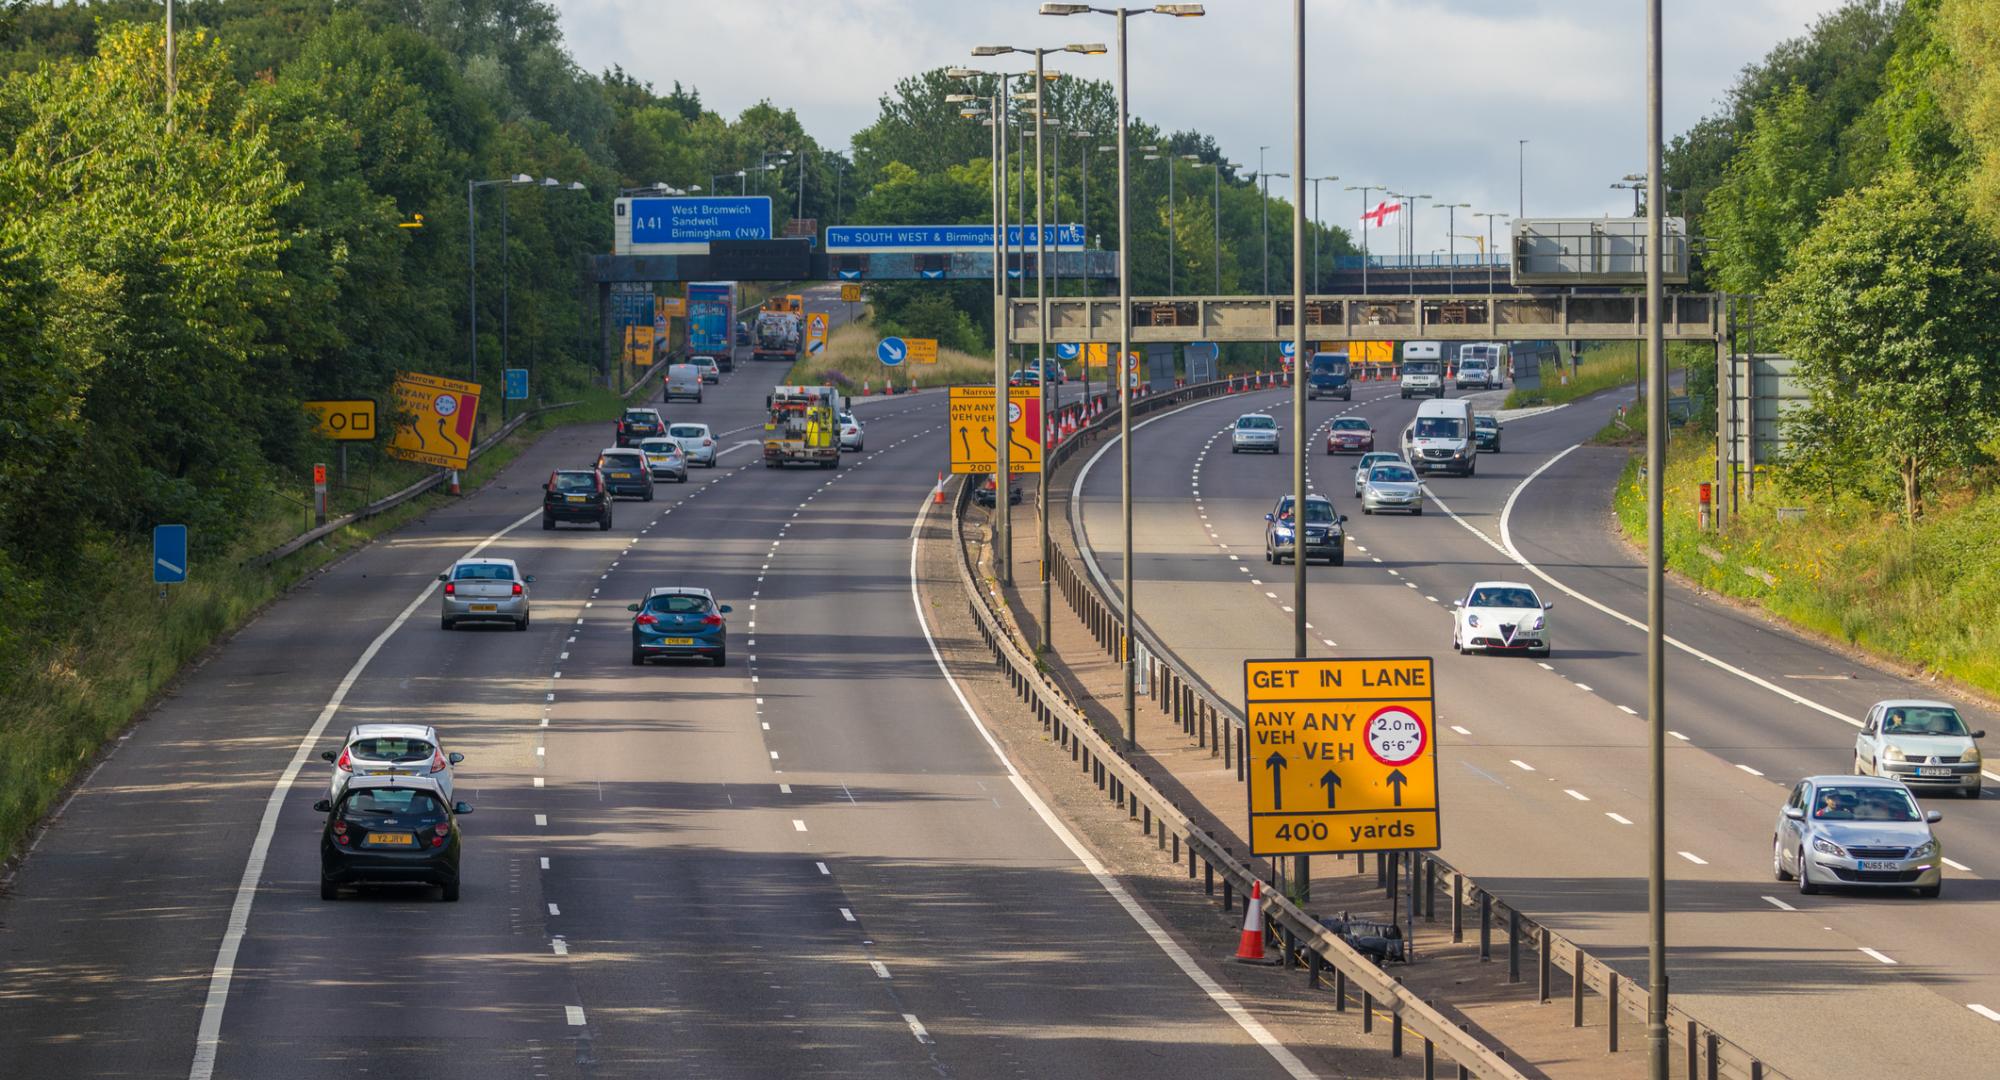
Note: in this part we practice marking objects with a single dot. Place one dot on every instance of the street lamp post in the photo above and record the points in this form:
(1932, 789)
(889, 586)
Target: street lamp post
(1364, 189)
(1318, 225)
(1656, 613)
(1492, 258)
(1451, 243)
(1215, 216)
(1123, 14)
(1301, 864)
(472, 257)
(1521, 179)
(1173, 235)
(1409, 203)
(1003, 562)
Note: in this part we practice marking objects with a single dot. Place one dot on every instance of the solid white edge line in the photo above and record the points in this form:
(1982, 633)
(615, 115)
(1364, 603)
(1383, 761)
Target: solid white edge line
(1985, 1012)
(1223, 999)
(208, 1033)
(1779, 904)
(1883, 957)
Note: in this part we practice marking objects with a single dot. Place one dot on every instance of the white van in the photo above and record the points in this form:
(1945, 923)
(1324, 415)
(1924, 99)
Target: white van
(683, 380)
(1482, 364)
(1423, 369)
(1441, 438)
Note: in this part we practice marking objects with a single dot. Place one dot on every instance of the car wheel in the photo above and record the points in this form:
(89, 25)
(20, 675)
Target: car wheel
(1806, 886)
(1339, 558)
(1232, 449)
(1540, 654)
(451, 891)
(1969, 792)
(522, 623)
(720, 659)
(604, 525)
(548, 523)
(648, 496)
(1930, 892)
(1778, 870)
(446, 623)
(328, 890)
(1367, 510)
(1418, 511)
(638, 658)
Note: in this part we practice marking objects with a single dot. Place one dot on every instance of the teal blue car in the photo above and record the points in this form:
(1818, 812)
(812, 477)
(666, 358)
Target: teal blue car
(679, 622)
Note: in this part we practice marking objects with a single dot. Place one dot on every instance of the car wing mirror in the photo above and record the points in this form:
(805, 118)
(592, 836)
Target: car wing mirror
(530, 579)
(324, 806)
(1343, 519)
(631, 607)
(444, 577)
(1933, 816)
(725, 609)
(1796, 813)
(1548, 604)
(1270, 517)
(1980, 734)
(461, 808)
(327, 755)
(455, 759)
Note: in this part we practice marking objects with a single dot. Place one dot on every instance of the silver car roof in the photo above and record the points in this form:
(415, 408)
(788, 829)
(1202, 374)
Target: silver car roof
(363, 731)
(421, 783)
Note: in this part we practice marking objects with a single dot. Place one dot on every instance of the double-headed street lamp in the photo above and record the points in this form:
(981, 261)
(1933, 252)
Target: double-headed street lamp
(1001, 405)
(1489, 215)
(1216, 212)
(1410, 227)
(472, 259)
(1318, 226)
(1123, 15)
(742, 181)
(1364, 189)
(1451, 242)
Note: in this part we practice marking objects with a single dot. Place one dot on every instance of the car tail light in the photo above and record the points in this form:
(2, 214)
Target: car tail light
(646, 620)
(442, 830)
(451, 588)
(517, 588)
(346, 762)
(708, 442)
(340, 832)
(438, 763)
(711, 620)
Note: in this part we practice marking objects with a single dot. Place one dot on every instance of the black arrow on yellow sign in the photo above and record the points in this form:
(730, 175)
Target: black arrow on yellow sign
(1330, 780)
(1277, 765)
(1396, 780)
(964, 443)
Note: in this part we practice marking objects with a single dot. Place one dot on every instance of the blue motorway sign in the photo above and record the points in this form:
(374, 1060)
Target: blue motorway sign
(517, 384)
(170, 554)
(932, 275)
(850, 275)
(891, 351)
(1203, 350)
(941, 237)
(698, 219)
(1287, 348)
(1067, 350)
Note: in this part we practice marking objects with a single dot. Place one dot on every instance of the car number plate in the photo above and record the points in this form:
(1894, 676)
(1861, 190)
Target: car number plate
(577, 498)
(1876, 864)
(402, 838)
(486, 607)
(621, 476)
(1933, 772)
(677, 641)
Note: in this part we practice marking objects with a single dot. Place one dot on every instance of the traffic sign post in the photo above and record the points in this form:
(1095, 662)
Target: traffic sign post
(1343, 755)
(170, 556)
(1067, 351)
(973, 424)
(319, 495)
(517, 384)
(816, 328)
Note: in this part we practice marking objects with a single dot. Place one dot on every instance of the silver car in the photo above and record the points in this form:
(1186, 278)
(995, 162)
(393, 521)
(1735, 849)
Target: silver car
(1254, 431)
(664, 459)
(696, 443)
(391, 750)
(850, 433)
(1392, 486)
(1367, 464)
(1921, 743)
(485, 590)
(711, 372)
(1856, 832)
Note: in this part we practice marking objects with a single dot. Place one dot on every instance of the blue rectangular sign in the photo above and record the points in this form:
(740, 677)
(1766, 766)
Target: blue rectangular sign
(943, 237)
(517, 384)
(697, 220)
(170, 554)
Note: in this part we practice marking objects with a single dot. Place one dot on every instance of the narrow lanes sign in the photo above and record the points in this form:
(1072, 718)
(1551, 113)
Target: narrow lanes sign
(1343, 755)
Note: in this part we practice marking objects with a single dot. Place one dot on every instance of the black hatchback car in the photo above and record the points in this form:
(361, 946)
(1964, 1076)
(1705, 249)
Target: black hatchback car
(626, 472)
(639, 424)
(395, 829)
(576, 495)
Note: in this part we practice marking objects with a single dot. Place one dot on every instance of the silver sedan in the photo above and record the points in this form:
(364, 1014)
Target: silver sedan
(485, 590)
(1862, 832)
(1392, 486)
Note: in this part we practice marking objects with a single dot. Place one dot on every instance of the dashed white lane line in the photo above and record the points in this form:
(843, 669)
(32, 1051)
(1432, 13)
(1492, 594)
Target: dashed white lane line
(554, 910)
(1522, 765)
(575, 1015)
(1751, 771)
(545, 862)
(1678, 735)
(541, 819)
(559, 946)
(1575, 794)
(798, 825)
(1543, 666)
(1328, 642)
(1877, 955)
(823, 870)
(846, 914)
(1985, 1012)
(917, 1028)
(1584, 687)
(784, 789)
(1460, 730)
(1779, 904)
(881, 969)
(1956, 865)
(539, 783)
(1628, 710)
(1619, 818)
(1692, 857)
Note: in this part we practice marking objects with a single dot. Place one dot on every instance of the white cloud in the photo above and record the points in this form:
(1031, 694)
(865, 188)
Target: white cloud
(1426, 95)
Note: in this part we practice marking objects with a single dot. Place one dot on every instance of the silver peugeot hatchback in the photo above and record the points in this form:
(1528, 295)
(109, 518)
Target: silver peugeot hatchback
(1859, 832)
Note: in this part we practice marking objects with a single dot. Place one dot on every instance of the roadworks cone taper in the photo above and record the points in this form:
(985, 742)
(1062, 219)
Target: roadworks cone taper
(1250, 946)
(937, 492)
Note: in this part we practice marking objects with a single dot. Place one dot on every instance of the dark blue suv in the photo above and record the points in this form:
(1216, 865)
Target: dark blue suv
(1328, 377)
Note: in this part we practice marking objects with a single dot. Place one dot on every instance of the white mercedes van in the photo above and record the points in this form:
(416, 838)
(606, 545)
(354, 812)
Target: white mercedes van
(1441, 439)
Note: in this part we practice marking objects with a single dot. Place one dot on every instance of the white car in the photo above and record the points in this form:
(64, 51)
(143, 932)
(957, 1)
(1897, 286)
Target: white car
(850, 433)
(1254, 431)
(487, 590)
(1501, 616)
(711, 372)
(391, 750)
(697, 445)
(1922, 743)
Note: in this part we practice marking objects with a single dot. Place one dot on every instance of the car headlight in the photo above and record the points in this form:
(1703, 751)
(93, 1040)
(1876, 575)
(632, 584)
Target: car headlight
(1471, 620)
(1828, 847)
(1537, 624)
(1971, 755)
(1282, 533)
(1924, 850)
(1890, 753)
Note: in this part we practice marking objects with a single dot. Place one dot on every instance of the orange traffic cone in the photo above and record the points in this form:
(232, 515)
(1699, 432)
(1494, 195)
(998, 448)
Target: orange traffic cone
(866, 391)
(1250, 947)
(938, 491)
(452, 482)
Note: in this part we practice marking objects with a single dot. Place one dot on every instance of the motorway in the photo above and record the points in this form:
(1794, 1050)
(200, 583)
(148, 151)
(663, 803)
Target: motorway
(1544, 766)
(810, 861)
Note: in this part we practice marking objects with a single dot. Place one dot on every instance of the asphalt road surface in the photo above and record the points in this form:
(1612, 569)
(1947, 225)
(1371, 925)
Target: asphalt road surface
(1544, 764)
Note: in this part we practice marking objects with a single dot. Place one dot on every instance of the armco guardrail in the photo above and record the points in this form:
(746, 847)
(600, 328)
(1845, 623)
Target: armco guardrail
(1296, 931)
(1218, 725)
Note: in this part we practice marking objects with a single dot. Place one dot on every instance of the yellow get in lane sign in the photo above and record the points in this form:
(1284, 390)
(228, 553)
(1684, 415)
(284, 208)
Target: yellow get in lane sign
(1343, 755)
(973, 429)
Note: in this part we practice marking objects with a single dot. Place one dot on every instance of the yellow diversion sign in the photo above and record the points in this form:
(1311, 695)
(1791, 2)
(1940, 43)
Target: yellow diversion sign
(1343, 755)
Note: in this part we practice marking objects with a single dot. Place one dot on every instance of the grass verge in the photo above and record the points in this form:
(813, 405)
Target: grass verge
(1926, 597)
(60, 705)
(849, 362)
(1605, 364)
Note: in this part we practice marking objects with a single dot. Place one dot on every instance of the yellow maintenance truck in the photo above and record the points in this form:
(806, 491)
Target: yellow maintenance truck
(803, 426)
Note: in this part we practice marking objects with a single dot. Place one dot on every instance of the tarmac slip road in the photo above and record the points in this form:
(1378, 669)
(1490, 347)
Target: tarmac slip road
(1544, 764)
(810, 860)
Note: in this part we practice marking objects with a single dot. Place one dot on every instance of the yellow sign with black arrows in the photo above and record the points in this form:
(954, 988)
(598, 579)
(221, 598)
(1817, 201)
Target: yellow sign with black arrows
(1343, 755)
(973, 429)
(441, 417)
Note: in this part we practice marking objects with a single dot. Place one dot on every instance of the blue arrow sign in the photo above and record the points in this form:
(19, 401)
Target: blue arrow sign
(891, 351)
(1203, 350)
(1067, 351)
(850, 275)
(932, 275)
(170, 554)
(1287, 348)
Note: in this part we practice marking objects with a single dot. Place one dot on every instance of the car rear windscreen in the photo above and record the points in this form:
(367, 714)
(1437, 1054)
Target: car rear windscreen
(482, 572)
(575, 481)
(392, 802)
(678, 604)
(392, 748)
(686, 431)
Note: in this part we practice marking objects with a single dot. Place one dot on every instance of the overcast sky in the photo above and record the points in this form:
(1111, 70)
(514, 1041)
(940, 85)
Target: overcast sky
(1427, 96)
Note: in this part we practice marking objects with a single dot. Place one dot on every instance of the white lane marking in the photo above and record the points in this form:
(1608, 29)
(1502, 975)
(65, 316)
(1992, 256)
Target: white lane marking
(1543, 666)
(774, 755)
(1619, 818)
(1460, 730)
(1877, 955)
(1583, 687)
(1328, 642)
(881, 969)
(1522, 765)
(1985, 1012)
(574, 1013)
(554, 910)
(784, 789)
(1575, 794)
(1956, 865)
(1628, 710)
(846, 914)
(1223, 998)
(545, 862)
(1779, 904)
(538, 782)
(1678, 735)
(917, 1028)
(560, 946)
(798, 825)
(208, 1033)
(1751, 771)
(541, 819)
(1692, 857)
(823, 870)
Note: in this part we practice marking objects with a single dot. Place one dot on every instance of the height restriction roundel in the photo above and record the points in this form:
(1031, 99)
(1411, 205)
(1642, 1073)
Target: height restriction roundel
(1396, 736)
(445, 404)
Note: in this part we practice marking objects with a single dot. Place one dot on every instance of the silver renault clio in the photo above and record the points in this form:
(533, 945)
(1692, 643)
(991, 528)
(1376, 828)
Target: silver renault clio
(485, 590)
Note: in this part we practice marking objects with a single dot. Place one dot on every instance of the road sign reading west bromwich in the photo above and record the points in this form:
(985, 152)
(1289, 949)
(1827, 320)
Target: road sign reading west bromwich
(1343, 755)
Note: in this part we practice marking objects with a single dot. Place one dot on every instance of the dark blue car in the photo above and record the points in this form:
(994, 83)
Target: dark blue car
(679, 622)
(1328, 377)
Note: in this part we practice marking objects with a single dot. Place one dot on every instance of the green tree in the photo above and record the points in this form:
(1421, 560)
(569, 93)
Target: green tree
(1972, 29)
(1770, 194)
(1887, 307)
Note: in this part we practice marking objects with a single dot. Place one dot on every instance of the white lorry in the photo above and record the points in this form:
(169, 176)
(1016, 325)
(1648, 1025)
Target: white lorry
(1423, 369)
(1441, 438)
(1482, 364)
